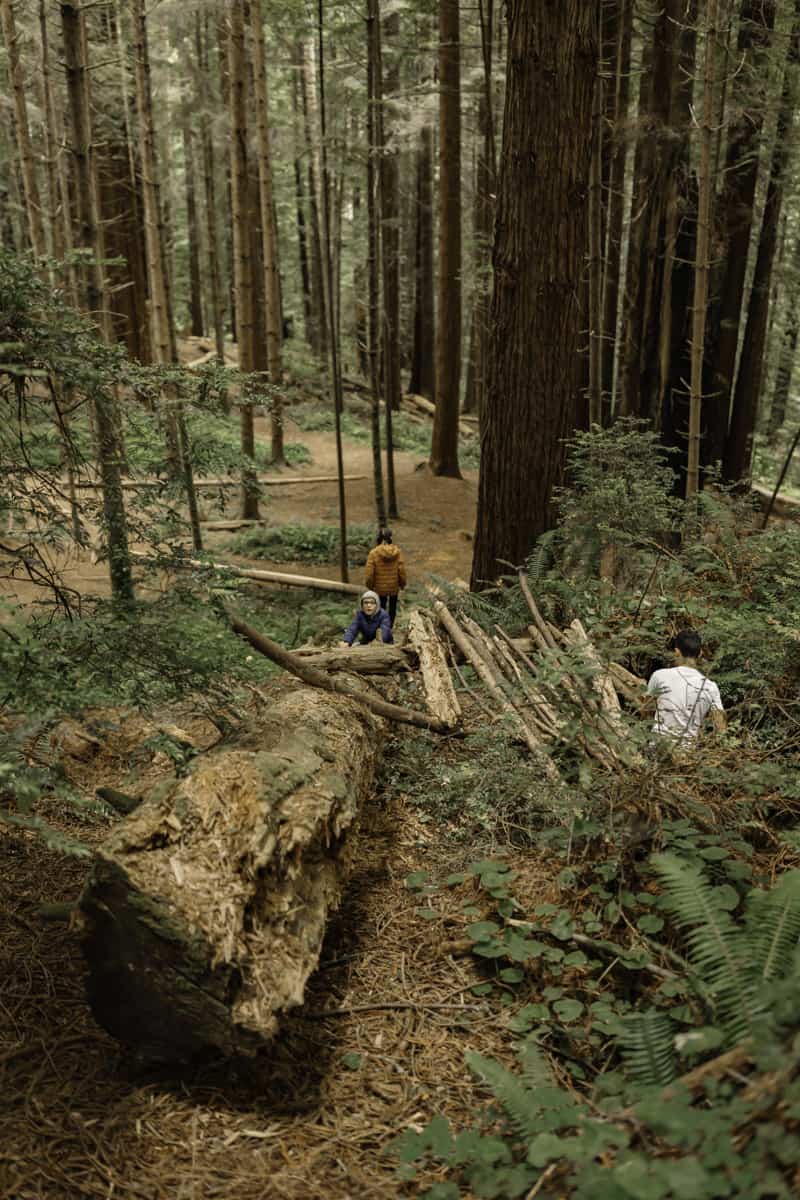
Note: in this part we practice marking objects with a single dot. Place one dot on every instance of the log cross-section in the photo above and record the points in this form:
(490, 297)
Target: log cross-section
(206, 907)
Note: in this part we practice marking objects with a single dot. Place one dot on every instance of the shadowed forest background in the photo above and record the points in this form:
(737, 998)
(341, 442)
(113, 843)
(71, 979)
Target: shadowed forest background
(522, 281)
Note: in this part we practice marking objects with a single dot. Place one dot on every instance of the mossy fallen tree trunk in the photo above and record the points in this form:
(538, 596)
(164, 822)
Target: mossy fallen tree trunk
(206, 907)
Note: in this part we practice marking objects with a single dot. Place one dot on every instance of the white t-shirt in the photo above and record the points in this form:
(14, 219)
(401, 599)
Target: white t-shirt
(683, 697)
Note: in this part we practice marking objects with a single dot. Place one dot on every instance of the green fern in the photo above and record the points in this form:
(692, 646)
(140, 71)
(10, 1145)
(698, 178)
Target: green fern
(648, 1048)
(772, 928)
(510, 1091)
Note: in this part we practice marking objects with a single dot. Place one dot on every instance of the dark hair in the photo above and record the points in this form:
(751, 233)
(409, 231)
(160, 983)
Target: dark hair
(384, 535)
(688, 641)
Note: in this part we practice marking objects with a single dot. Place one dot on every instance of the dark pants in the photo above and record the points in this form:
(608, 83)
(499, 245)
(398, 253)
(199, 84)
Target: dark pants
(389, 604)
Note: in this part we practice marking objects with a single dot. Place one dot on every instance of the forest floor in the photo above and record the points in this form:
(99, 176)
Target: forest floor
(314, 1116)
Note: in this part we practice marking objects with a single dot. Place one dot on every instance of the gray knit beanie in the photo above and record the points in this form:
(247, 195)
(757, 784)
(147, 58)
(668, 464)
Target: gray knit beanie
(371, 596)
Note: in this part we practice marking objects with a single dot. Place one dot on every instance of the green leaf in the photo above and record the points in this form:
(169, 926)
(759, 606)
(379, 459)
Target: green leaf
(576, 959)
(417, 880)
(544, 1148)
(527, 1017)
(714, 853)
(456, 878)
(482, 930)
(512, 975)
(352, 1061)
(482, 989)
(650, 923)
(568, 1010)
(427, 914)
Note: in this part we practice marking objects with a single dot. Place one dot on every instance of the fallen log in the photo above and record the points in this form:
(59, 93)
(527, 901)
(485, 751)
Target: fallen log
(318, 679)
(373, 659)
(259, 576)
(423, 405)
(206, 908)
(222, 482)
(439, 691)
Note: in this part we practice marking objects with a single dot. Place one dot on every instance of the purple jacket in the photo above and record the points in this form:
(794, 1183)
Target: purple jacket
(368, 627)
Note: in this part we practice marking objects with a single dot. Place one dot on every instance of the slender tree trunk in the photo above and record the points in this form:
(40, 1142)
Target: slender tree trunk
(269, 232)
(302, 235)
(783, 377)
(205, 101)
(108, 446)
(737, 203)
(330, 306)
(444, 442)
(30, 183)
(243, 280)
(737, 460)
(702, 261)
(423, 362)
(616, 201)
(192, 227)
(310, 123)
(535, 315)
(595, 311)
(373, 256)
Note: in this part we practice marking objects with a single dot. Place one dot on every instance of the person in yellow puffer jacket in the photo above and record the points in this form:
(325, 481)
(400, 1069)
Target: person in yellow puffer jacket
(386, 571)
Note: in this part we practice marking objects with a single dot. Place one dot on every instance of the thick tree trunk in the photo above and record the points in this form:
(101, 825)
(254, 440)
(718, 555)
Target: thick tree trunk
(30, 183)
(302, 234)
(206, 908)
(535, 316)
(444, 443)
(192, 228)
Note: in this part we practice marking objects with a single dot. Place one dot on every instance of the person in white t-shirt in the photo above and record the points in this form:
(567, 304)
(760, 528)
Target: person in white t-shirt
(681, 696)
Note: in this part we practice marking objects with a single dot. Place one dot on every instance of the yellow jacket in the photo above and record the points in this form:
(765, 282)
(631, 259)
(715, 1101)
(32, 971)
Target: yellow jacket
(386, 571)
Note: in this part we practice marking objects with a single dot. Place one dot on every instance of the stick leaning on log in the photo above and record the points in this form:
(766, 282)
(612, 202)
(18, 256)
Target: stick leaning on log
(310, 675)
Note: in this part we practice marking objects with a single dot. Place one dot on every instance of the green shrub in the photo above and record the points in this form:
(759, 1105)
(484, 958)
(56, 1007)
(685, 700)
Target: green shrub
(306, 543)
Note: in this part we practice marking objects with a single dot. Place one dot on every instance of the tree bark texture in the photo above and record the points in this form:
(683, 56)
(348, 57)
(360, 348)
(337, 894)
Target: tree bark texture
(373, 256)
(206, 908)
(242, 273)
(423, 361)
(535, 315)
(205, 99)
(30, 182)
(444, 443)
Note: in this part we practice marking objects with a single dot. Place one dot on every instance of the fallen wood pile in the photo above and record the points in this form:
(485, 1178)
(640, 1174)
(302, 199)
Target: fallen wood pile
(554, 691)
(206, 907)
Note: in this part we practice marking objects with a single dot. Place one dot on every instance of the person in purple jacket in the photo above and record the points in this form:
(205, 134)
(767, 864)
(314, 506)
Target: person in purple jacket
(369, 621)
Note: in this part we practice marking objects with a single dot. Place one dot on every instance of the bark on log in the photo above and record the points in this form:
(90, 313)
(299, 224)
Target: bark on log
(206, 908)
(222, 482)
(439, 690)
(373, 659)
(259, 576)
(296, 666)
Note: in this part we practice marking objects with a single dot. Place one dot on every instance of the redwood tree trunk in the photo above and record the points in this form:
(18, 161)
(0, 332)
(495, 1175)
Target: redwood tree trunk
(30, 183)
(444, 442)
(535, 315)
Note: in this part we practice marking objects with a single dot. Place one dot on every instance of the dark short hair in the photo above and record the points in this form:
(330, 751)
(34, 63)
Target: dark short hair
(384, 535)
(688, 641)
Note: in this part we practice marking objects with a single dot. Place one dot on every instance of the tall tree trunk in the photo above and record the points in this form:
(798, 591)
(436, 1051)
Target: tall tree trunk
(373, 254)
(272, 294)
(108, 446)
(423, 362)
(205, 100)
(616, 200)
(302, 235)
(192, 225)
(310, 125)
(444, 442)
(331, 306)
(595, 237)
(702, 266)
(737, 460)
(161, 323)
(737, 203)
(243, 279)
(535, 316)
(30, 183)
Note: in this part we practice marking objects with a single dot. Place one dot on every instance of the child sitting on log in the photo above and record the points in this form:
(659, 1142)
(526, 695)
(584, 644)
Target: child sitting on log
(370, 621)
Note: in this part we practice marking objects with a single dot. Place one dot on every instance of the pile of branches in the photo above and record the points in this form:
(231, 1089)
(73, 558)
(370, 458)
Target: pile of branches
(553, 687)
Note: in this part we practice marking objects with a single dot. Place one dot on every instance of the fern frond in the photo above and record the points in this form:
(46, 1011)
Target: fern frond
(536, 1070)
(647, 1045)
(522, 1105)
(772, 928)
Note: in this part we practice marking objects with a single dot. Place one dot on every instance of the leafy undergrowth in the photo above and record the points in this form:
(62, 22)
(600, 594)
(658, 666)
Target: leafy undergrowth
(304, 542)
(637, 931)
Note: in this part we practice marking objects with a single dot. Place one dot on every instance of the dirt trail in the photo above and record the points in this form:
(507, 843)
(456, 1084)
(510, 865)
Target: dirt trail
(435, 527)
